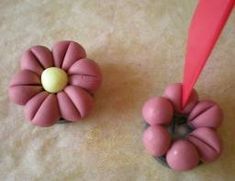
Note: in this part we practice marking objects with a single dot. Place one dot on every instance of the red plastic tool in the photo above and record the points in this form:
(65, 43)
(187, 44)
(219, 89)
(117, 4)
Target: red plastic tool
(208, 21)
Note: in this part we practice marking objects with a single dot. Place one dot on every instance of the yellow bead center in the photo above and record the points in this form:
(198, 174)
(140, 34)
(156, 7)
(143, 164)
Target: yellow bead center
(54, 79)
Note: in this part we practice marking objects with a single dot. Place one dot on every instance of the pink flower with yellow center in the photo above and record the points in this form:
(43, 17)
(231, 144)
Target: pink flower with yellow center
(55, 84)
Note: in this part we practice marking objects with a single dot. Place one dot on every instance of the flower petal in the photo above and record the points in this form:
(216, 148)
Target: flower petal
(65, 53)
(25, 77)
(30, 62)
(74, 52)
(157, 110)
(85, 66)
(58, 51)
(207, 143)
(81, 99)
(33, 105)
(174, 93)
(182, 156)
(206, 114)
(22, 93)
(156, 140)
(43, 55)
(45, 109)
(67, 108)
(85, 73)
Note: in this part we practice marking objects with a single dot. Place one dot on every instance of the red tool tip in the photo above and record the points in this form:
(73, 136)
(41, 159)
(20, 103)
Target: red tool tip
(208, 21)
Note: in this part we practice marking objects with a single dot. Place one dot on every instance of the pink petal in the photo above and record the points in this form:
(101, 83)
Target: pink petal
(58, 51)
(65, 53)
(33, 105)
(85, 66)
(22, 93)
(156, 140)
(182, 156)
(67, 108)
(25, 77)
(43, 55)
(207, 143)
(85, 73)
(174, 94)
(44, 108)
(81, 99)
(157, 110)
(206, 114)
(30, 62)
(74, 52)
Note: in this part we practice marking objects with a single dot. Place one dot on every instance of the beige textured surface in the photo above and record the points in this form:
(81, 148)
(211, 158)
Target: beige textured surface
(140, 47)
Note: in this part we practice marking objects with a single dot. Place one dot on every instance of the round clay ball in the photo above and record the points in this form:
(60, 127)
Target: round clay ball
(182, 156)
(157, 110)
(207, 142)
(173, 92)
(206, 114)
(156, 140)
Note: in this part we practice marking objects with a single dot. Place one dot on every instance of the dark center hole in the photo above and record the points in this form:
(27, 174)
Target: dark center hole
(179, 128)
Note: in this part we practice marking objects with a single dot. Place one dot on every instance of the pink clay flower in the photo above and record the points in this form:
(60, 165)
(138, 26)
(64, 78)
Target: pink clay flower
(202, 117)
(73, 101)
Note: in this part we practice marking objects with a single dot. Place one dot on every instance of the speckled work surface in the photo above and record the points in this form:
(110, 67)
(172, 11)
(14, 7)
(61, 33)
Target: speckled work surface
(140, 48)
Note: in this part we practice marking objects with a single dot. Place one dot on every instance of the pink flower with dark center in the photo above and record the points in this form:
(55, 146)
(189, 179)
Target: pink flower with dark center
(182, 138)
(55, 84)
